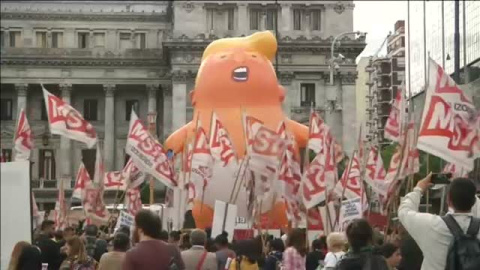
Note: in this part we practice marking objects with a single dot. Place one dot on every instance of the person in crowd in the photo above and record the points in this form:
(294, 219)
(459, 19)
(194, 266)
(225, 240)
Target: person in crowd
(275, 254)
(68, 233)
(58, 237)
(392, 255)
(163, 236)
(412, 256)
(223, 250)
(430, 231)
(247, 256)
(323, 244)
(174, 238)
(210, 246)
(16, 252)
(124, 229)
(95, 247)
(77, 257)
(50, 250)
(30, 259)
(197, 257)
(336, 244)
(150, 252)
(260, 249)
(114, 260)
(316, 255)
(294, 255)
(185, 242)
(361, 255)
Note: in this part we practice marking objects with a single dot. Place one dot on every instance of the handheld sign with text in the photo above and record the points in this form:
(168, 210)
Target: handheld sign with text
(350, 210)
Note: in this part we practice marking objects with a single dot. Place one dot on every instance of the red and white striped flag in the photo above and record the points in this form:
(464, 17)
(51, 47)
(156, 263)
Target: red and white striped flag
(81, 182)
(93, 204)
(221, 146)
(64, 120)
(375, 172)
(61, 209)
(455, 170)
(23, 141)
(350, 185)
(252, 125)
(315, 138)
(133, 201)
(202, 163)
(130, 176)
(396, 119)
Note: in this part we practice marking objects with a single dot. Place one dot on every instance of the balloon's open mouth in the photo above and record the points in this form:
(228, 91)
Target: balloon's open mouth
(240, 74)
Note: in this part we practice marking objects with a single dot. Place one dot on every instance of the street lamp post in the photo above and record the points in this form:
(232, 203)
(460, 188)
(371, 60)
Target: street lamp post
(334, 59)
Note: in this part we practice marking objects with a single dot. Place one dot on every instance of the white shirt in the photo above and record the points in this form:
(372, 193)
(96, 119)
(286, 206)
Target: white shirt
(430, 231)
(332, 258)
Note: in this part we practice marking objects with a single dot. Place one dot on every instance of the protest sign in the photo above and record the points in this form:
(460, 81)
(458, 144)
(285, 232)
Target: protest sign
(224, 218)
(350, 210)
(125, 219)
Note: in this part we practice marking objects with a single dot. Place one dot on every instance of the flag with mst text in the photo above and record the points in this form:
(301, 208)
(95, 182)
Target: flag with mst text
(64, 120)
(375, 172)
(202, 164)
(133, 201)
(396, 119)
(147, 153)
(350, 185)
(23, 141)
(448, 129)
(61, 209)
(81, 182)
(130, 176)
(221, 147)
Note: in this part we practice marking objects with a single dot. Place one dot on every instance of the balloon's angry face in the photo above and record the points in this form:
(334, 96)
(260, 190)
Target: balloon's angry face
(238, 77)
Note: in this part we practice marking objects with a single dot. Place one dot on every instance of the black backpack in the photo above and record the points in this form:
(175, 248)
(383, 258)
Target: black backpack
(464, 251)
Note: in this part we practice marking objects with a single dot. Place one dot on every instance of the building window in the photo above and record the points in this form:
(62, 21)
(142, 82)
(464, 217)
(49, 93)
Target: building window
(41, 38)
(90, 109)
(99, 39)
(255, 17)
(88, 159)
(231, 18)
(210, 19)
(15, 39)
(47, 164)
(271, 19)
(307, 94)
(125, 41)
(315, 18)
(6, 109)
(130, 105)
(57, 40)
(297, 19)
(2, 39)
(140, 40)
(6, 155)
(83, 40)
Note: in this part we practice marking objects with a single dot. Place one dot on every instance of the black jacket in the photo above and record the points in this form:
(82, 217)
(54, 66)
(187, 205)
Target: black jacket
(362, 261)
(95, 247)
(50, 252)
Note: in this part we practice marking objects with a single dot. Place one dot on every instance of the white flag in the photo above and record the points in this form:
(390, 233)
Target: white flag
(81, 182)
(23, 141)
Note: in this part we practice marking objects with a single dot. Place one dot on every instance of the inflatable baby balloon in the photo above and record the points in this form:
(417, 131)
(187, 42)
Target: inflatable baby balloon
(237, 77)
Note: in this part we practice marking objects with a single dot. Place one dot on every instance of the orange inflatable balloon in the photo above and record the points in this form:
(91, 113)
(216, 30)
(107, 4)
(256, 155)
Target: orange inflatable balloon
(236, 75)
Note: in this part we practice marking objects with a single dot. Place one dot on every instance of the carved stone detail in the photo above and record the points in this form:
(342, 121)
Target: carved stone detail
(286, 78)
(188, 6)
(109, 90)
(349, 78)
(21, 89)
(286, 58)
(167, 90)
(339, 8)
(66, 89)
(125, 17)
(152, 90)
(179, 76)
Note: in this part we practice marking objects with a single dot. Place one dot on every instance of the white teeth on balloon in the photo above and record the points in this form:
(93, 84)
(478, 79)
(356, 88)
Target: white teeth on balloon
(241, 69)
(240, 74)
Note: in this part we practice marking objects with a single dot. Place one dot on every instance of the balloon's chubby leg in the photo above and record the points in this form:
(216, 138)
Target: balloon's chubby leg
(300, 132)
(176, 140)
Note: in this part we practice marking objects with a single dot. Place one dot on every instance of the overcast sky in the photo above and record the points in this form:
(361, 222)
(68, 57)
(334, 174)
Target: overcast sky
(377, 18)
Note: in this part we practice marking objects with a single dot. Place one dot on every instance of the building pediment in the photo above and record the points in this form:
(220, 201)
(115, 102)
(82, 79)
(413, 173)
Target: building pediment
(100, 16)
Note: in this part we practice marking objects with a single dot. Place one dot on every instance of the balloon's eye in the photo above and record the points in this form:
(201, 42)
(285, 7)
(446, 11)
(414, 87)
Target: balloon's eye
(223, 56)
(254, 56)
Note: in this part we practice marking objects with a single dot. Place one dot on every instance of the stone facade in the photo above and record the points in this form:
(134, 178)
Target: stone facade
(107, 57)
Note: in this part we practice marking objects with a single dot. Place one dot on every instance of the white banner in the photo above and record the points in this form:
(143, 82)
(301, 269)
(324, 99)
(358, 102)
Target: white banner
(350, 210)
(23, 141)
(125, 219)
(65, 121)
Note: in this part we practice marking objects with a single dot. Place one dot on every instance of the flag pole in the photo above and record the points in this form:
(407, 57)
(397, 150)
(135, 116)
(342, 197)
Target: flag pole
(152, 124)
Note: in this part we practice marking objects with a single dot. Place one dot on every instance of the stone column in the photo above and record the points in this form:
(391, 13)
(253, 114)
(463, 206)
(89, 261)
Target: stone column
(179, 96)
(66, 144)
(286, 17)
(21, 97)
(286, 79)
(152, 104)
(243, 28)
(167, 110)
(109, 133)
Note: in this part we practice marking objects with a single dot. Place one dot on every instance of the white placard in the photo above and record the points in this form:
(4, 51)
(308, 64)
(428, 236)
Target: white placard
(125, 219)
(219, 220)
(350, 210)
(16, 224)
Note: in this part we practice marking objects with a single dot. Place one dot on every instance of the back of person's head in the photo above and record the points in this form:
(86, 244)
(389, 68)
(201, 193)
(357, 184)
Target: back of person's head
(248, 249)
(297, 239)
(163, 236)
(16, 253)
(221, 240)
(58, 235)
(461, 194)
(317, 244)
(30, 258)
(185, 241)
(149, 223)
(198, 237)
(76, 249)
(174, 236)
(336, 241)
(276, 244)
(359, 234)
(47, 225)
(124, 229)
(121, 242)
(91, 230)
(387, 250)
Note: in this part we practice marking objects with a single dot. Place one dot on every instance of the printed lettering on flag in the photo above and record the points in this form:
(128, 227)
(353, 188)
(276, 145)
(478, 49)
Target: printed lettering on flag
(133, 201)
(147, 153)
(394, 124)
(455, 170)
(202, 162)
(130, 176)
(252, 125)
(94, 206)
(60, 209)
(221, 146)
(23, 141)
(446, 131)
(64, 120)
(315, 137)
(350, 184)
(375, 172)
(81, 182)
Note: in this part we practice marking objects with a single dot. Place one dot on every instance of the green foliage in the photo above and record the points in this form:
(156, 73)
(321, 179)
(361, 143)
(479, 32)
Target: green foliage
(387, 153)
(145, 192)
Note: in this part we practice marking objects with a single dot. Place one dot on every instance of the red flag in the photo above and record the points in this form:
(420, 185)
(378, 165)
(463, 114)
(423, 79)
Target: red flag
(455, 170)
(375, 172)
(130, 176)
(202, 162)
(252, 125)
(350, 185)
(61, 209)
(315, 138)
(133, 201)
(221, 146)
(81, 182)
(396, 119)
(23, 141)
(64, 120)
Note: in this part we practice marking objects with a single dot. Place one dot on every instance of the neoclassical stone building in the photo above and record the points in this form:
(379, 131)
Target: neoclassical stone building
(107, 57)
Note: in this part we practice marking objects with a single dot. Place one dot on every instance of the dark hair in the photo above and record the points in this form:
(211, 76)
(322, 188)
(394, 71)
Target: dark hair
(221, 240)
(462, 194)
(58, 235)
(30, 258)
(208, 231)
(175, 235)
(67, 229)
(359, 234)
(297, 239)
(91, 230)
(317, 244)
(249, 249)
(163, 235)
(323, 241)
(124, 229)
(121, 242)
(185, 242)
(149, 222)
(277, 244)
(387, 250)
(47, 223)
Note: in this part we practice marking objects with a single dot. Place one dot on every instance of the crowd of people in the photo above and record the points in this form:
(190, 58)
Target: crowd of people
(421, 241)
